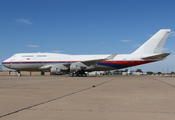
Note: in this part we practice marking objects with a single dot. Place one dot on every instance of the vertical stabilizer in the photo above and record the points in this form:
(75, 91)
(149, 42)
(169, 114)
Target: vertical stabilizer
(155, 44)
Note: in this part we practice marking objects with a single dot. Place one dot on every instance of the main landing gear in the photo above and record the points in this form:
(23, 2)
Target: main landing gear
(78, 75)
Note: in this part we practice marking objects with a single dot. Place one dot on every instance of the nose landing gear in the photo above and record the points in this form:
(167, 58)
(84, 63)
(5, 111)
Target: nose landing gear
(19, 74)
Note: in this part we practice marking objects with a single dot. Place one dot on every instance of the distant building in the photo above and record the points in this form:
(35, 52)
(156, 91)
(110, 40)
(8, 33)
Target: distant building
(0, 67)
(133, 73)
(97, 73)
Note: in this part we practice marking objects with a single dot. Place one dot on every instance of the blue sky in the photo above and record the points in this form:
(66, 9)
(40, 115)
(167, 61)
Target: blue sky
(85, 27)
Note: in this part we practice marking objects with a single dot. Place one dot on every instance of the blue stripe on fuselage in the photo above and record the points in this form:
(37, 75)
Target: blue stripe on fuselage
(117, 66)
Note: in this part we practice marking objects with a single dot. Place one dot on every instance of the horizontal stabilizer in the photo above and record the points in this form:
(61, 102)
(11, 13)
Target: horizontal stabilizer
(157, 57)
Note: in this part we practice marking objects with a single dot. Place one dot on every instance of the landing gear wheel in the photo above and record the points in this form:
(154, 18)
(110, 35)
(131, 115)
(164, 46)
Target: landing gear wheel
(84, 75)
(78, 75)
(74, 75)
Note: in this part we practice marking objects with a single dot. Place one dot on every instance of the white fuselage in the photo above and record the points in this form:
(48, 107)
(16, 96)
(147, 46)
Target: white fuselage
(150, 51)
(33, 61)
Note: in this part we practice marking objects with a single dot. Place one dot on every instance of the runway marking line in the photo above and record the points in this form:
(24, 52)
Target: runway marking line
(164, 82)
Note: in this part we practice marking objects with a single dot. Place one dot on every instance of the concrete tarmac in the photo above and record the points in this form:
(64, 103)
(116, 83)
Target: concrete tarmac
(87, 98)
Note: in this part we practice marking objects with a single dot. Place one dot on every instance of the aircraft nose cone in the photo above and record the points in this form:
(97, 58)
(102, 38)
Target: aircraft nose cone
(5, 64)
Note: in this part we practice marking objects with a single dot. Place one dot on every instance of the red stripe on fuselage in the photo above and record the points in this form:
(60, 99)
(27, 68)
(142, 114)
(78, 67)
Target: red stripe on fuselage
(40, 62)
(122, 62)
(128, 62)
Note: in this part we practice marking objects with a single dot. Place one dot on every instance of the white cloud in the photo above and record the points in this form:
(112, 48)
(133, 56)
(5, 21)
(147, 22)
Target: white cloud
(150, 35)
(165, 49)
(32, 45)
(57, 51)
(25, 21)
(172, 33)
(125, 40)
(137, 45)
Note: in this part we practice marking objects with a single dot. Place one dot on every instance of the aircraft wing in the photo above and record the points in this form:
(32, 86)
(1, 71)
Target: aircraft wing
(74, 66)
(46, 67)
(91, 62)
(157, 57)
(61, 66)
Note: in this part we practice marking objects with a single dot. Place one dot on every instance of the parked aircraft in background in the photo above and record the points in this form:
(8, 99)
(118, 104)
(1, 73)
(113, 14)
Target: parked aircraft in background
(77, 65)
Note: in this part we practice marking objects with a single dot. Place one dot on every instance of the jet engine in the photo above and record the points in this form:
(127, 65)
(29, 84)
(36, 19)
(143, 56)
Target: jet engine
(55, 70)
(75, 68)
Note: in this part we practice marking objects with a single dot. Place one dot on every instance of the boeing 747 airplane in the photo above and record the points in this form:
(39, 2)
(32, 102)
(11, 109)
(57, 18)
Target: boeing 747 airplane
(77, 65)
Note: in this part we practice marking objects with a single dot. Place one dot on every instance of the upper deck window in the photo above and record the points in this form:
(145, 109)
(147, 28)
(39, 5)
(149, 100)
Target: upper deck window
(41, 55)
(27, 55)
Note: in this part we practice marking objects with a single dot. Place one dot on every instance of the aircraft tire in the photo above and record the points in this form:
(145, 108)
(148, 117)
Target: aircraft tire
(78, 75)
(84, 75)
(74, 75)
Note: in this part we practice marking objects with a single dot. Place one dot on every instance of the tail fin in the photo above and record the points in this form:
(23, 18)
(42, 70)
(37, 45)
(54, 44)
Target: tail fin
(155, 44)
